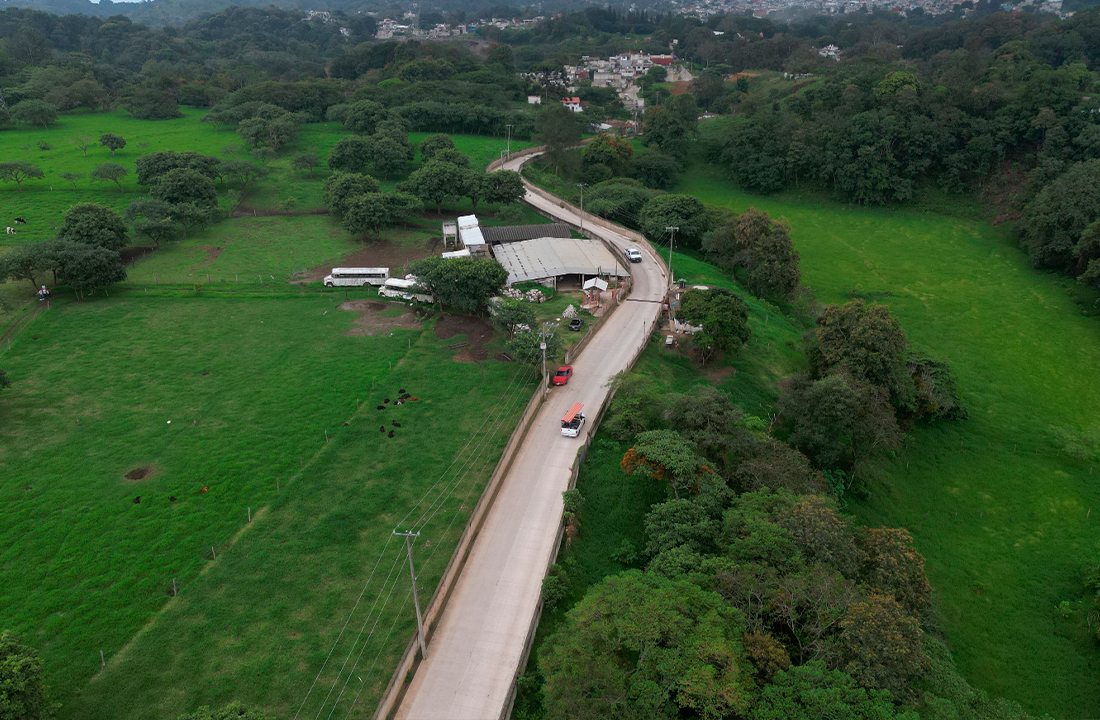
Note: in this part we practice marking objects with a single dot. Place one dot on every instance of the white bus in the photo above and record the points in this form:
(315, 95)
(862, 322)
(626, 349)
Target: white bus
(403, 290)
(357, 277)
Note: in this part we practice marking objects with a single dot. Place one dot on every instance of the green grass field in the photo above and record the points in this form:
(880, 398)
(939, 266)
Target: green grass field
(251, 386)
(1003, 527)
(261, 380)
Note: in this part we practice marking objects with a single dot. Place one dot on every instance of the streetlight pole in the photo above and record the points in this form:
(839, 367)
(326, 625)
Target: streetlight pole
(582, 186)
(509, 127)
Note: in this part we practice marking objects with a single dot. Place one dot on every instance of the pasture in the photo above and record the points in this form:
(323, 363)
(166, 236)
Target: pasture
(999, 504)
(271, 385)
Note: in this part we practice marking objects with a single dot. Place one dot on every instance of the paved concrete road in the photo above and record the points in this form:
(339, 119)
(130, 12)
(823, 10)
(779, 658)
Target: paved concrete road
(480, 638)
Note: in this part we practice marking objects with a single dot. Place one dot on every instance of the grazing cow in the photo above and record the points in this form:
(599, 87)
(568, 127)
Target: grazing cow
(172, 498)
(381, 407)
(396, 424)
(401, 391)
(137, 500)
(19, 221)
(389, 434)
(382, 429)
(11, 231)
(204, 489)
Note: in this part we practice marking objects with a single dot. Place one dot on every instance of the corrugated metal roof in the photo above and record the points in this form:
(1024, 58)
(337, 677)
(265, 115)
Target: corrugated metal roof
(551, 257)
(514, 233)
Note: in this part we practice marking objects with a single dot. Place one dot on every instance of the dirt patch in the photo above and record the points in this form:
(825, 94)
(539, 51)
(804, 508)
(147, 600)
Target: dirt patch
(478, 332)
(145, 472)
(212, 253)
(373, 321)
(382, 253)
(717, 375)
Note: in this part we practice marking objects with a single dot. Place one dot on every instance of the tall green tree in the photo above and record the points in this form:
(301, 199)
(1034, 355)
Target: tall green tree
(839, 421)
(510, 313)
(672, 126)
(723, 317)
(641, 646)
(112, 142)
(363, 117)
(558, 128)
(341, 188)
(667, 456)
(17, 171)
(463, 284)
(352, 154)
(504, 187)
(680, 211)
(93, 224)
(866, 341)
(22, 687)
(367, 213)
(111, 172)
(760, 250)
(813, 692)
(153, 219)
(34, 112)
(86, 268)
(183, 185)
(435, 183)
(430, 146)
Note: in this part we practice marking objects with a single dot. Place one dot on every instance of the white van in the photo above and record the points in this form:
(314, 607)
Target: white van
(357, 277)
(403, 290)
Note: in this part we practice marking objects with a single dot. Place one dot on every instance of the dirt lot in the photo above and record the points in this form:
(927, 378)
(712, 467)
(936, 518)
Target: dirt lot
(378, 254)
(477, 332)
(373, 321)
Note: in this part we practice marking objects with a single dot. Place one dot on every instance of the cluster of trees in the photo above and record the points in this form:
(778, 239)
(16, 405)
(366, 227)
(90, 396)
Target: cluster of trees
(759, 251)
(754, 596)
(462, 284)
(353, 195)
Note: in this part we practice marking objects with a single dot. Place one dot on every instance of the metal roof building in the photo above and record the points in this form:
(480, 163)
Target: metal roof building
(515, 233)
(549, 257)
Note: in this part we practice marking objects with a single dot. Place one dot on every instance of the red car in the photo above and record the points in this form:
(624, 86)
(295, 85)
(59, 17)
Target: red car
(561, 377)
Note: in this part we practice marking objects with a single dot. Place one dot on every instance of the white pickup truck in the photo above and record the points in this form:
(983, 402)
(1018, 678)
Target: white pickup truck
(573, 421)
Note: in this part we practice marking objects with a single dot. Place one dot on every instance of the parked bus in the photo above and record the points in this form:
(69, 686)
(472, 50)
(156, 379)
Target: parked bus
(357, 277)
(403, 290)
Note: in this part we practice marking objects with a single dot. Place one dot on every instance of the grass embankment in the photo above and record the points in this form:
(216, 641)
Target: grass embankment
(996, 506)
(615, 504)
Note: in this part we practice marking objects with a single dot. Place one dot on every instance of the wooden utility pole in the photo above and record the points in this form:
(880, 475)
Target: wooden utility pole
(416, 598)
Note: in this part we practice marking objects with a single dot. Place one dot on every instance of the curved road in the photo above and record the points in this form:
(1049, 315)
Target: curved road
(479, 641)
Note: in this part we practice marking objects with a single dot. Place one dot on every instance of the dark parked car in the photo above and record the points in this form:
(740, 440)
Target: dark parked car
(576, 324)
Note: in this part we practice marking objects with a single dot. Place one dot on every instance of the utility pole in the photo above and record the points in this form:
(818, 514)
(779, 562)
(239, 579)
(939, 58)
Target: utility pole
(582, 186)
(509, 127)
(542, 345)
(671, 242)
(416, 598)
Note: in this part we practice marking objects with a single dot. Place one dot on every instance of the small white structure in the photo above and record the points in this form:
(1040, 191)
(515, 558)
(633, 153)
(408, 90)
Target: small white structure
(534, 100)
(356, 277)
(464, 252)
(573, 103)
(404, 289)
(450, 233)
(470, 237)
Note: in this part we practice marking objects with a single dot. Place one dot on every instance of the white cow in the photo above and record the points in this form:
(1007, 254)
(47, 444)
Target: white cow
(11, 231)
